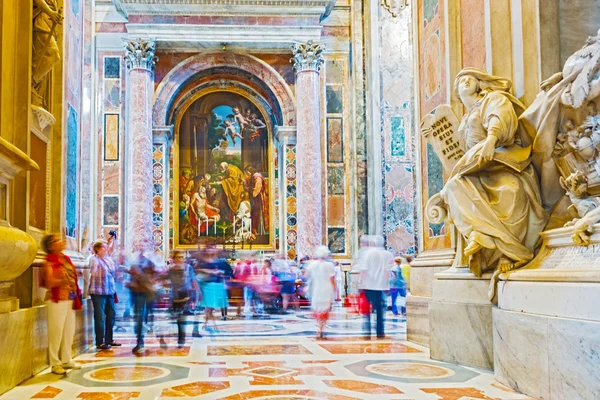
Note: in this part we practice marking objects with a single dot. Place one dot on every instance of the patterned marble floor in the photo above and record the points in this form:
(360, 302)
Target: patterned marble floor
(275, 358)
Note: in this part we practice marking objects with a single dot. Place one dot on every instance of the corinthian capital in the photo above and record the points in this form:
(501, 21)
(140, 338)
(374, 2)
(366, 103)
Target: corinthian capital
(139, 53)
(307, 56)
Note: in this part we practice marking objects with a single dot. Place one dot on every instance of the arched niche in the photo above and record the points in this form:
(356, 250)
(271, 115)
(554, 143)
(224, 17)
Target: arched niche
(233, 67)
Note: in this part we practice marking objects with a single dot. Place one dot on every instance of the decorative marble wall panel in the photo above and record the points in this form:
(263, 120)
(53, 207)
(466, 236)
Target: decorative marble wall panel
(432, 92)
(291, 220)
(435, 183)
(398, 137)
(111, 137)
(88, 176)
(337, 126)
(110, 211)
(335, 140)
(359, 123)
(71, 173)
(158, 191)
(336, 240)
(112, 94)
(38, 181)
(275, 193)
(112, 67)
(472, 17)
(72, 99)
(396, 74)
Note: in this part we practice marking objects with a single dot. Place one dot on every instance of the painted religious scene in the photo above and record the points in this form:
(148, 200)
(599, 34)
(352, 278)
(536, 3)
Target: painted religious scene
(223, 172)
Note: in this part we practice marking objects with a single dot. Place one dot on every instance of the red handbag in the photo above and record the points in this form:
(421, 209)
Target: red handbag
(364, 307)
(78, 301)
(116, 298)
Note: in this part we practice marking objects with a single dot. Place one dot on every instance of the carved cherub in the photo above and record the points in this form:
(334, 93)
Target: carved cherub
(585, 208)
(576, 186)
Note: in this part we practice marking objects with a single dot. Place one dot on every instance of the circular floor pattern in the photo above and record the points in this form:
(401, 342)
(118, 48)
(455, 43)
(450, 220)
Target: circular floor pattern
(410, 370)
(125, 374)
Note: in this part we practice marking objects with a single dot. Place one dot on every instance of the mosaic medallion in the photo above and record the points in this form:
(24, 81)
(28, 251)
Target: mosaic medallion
(291, 172)
(134, 373)
(126, 374)
(410, 370)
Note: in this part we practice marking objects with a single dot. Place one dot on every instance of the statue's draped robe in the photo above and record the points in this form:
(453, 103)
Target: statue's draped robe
(497, 204)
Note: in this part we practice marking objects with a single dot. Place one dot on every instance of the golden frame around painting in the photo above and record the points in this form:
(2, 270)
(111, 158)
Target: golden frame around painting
(176, 169)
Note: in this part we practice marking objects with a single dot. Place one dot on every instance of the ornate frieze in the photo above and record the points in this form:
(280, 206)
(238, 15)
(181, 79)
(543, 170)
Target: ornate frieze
(139, 53)
(307, 56)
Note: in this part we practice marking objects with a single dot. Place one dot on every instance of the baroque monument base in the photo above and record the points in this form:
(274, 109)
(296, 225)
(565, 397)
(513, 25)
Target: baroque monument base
(546, 326)
(424, 268)
(460, 319)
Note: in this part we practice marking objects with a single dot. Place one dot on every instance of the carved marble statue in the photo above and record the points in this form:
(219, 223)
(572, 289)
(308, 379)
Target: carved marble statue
(566, 122)
(563, 97)
(492, 194)
(45, 52)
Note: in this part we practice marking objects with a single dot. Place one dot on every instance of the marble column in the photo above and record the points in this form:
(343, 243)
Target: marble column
(139, 56)
(307, 60)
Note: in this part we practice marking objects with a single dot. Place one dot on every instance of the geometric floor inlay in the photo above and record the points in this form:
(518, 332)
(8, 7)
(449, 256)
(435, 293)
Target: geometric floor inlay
(126, 374)
(410, 370)
(252, 350)
(275, 358)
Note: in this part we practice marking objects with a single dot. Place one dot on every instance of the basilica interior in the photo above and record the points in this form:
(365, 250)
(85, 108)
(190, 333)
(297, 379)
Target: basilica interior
(465, 134)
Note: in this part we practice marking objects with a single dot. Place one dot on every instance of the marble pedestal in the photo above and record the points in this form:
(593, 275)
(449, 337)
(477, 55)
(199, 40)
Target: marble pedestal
(460, 319)
(422, 272)
(547, 324)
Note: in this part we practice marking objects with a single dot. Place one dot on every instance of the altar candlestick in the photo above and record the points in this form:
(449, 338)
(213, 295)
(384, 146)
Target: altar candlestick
(206, 226)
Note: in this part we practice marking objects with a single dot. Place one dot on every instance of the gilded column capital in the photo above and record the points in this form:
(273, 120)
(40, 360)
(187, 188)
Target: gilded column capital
(307, 56)
(139, 53)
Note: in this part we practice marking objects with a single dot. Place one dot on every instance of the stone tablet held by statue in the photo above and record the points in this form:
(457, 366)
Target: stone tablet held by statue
(440, 129)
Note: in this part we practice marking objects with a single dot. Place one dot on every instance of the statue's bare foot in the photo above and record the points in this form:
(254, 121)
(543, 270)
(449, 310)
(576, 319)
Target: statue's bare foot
(472, 248)
(504, 265)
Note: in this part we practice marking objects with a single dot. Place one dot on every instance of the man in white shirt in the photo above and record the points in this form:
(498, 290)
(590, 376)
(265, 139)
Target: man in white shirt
(375, 281)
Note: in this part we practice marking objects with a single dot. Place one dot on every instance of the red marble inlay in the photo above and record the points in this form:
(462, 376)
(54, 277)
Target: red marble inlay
(270, 372)
(127, 373)
(208, 363)
(458, 393)
(111, 27)
(108, 395)
(369, 348)
(363, 387)
(251, 350)
(291, 394)
(318, 361)
(194, 389)
(49, 392)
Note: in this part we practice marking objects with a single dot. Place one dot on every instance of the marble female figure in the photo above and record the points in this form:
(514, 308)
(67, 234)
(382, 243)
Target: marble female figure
(493, 194)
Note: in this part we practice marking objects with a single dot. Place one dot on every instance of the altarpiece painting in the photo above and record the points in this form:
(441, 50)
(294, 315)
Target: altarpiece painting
(223, 165)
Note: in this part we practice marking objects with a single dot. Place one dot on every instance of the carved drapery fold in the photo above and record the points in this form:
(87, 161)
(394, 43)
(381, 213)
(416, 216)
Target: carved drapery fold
(307, 56)
(139, 53)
